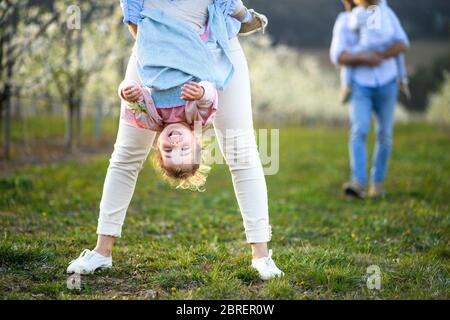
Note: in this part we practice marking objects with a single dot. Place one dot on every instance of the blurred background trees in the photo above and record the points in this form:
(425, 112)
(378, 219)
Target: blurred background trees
(57, 57)
(77, 53)
(22, 22)
(307, 23)
(58, 83)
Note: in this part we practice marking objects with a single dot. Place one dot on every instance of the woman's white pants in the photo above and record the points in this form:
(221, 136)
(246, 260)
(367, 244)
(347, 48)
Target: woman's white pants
(234, 131)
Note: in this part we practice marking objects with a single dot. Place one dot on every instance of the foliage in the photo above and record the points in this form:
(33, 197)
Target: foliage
(183, 245)
(425, 81)
(439, 110)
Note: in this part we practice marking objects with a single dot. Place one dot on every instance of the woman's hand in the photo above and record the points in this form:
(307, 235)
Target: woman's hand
(133, 29)
(370, 58)
(132, 93)
(192, 91)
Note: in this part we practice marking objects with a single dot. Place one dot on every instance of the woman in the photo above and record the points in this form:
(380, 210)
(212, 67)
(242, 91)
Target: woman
(374, 89)
(233, 121)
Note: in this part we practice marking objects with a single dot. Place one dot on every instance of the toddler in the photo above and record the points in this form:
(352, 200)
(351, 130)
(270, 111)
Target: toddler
(180, 76)
(178, 154)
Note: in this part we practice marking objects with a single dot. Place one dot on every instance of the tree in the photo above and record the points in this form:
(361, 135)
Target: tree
(33, 19)
(78, 48)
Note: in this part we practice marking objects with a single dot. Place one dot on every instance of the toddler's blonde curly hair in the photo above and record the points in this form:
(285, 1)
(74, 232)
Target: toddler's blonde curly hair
(192, 177)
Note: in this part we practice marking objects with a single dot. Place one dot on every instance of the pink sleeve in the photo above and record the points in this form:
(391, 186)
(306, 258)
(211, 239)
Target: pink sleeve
(207, 106)
(149, 120)
(203, 110)
(209, 97)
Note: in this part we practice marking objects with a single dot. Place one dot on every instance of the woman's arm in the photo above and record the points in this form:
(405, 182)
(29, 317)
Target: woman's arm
(396, 49)
(235, 9)
(370, 58)
(401, 41)
(348, 5)
(131, 10)
(133, 29)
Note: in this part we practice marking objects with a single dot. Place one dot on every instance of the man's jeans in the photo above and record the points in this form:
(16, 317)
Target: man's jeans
(381, 100)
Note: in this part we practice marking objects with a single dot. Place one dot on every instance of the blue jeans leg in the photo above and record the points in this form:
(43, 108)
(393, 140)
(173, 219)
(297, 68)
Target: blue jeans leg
(360, 114)
(385, 100)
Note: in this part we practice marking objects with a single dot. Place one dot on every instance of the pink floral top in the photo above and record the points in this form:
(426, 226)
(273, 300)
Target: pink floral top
(144, 114)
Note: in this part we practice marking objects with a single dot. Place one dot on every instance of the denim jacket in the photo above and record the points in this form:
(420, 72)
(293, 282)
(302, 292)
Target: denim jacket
(170, 54)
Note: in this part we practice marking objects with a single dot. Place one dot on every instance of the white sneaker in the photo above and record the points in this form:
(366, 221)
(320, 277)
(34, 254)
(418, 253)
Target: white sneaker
(266, 267)
(88, 262)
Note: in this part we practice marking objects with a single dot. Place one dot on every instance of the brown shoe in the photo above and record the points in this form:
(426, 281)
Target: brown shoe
(377, 191)
(259, 22)
(354, 189)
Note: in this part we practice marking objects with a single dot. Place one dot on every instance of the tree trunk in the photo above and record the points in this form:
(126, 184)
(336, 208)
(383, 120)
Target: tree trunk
(7, 53)
(7, 122)
(79, 83)
(2, 83)
(71, 146)
(2, 103)
(79, 124)
(17, 105)
(7, 111)
(49, 103)
(98, 118)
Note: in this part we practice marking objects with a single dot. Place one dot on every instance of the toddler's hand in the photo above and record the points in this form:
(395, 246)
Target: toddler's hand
(192, 91)
(132, 93)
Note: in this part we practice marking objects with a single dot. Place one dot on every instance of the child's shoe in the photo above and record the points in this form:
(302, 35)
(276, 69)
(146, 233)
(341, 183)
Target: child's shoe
(259, 22)
(88, 262)
(404, 88)
(266, 267)
(346, 92)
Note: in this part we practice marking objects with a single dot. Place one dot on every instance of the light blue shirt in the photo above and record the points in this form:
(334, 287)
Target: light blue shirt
(344, 39)
(131, 10)
(132, 13)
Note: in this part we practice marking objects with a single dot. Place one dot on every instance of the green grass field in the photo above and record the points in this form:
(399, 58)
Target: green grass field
(183, 245)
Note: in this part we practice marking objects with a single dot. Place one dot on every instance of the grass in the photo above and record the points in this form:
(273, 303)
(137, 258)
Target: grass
(32, 128)
(183, 245)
